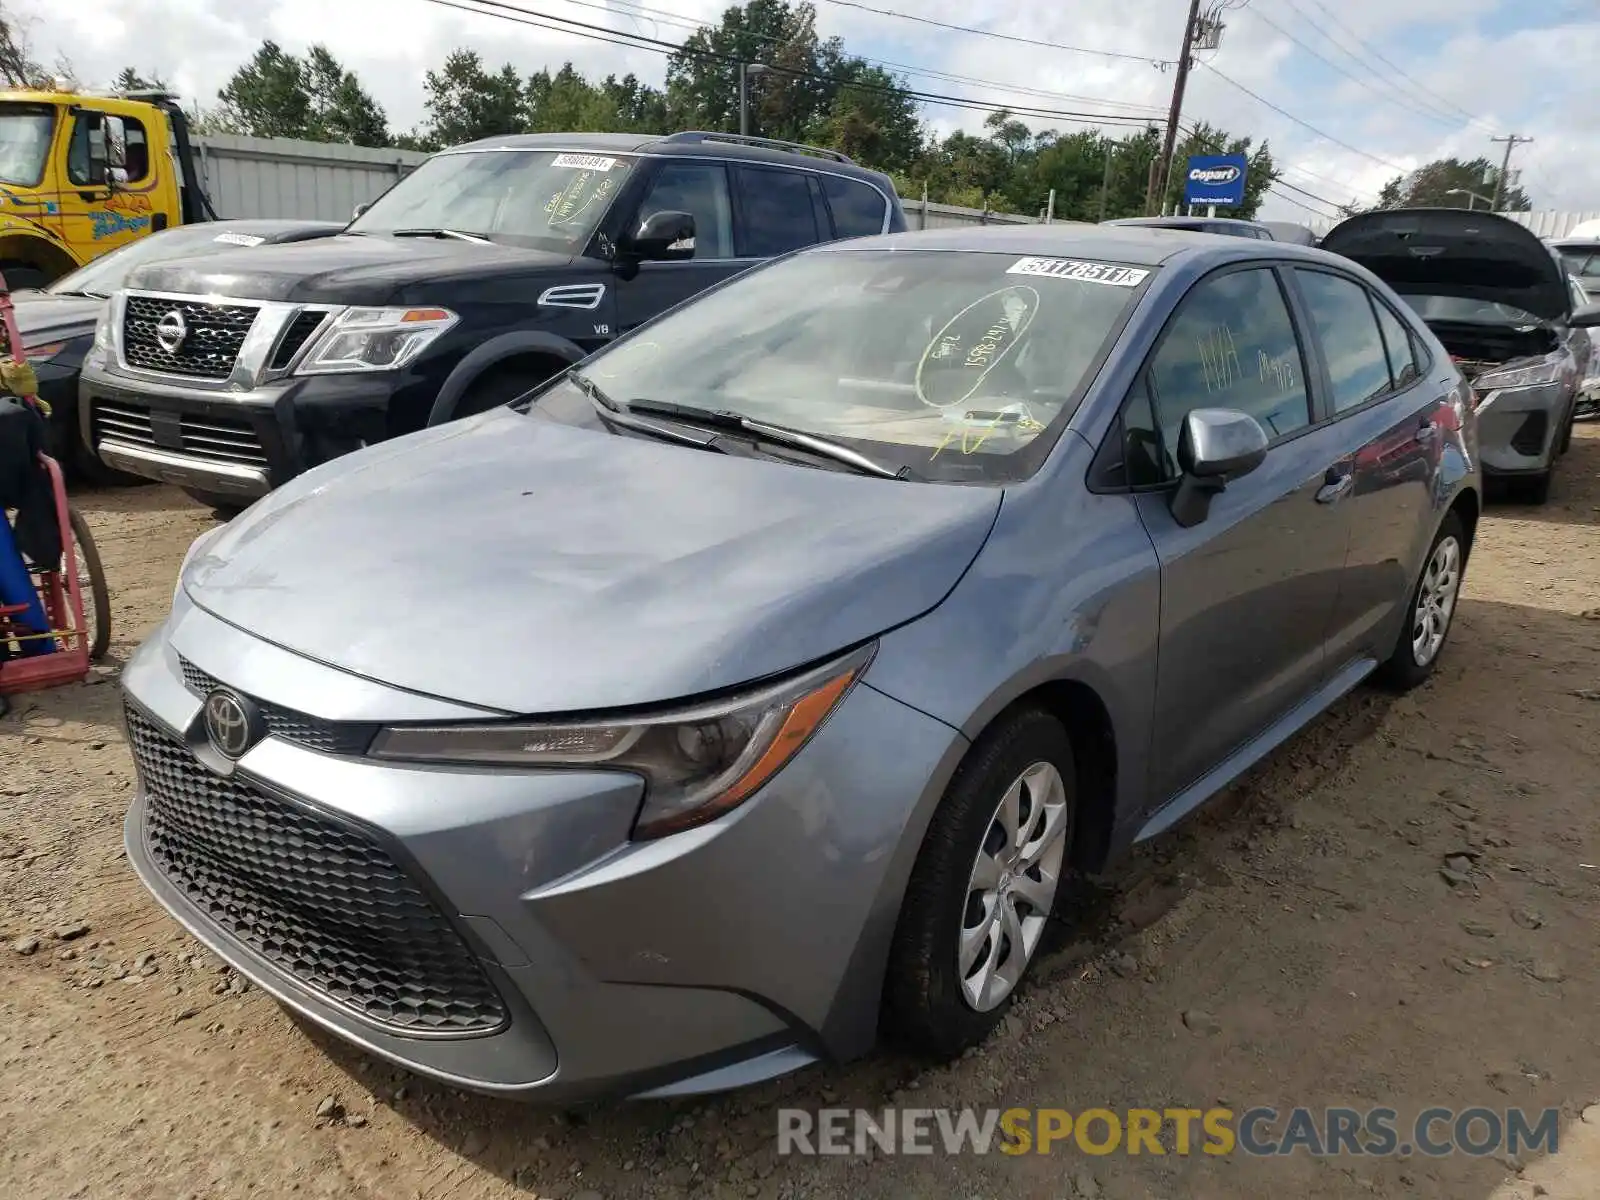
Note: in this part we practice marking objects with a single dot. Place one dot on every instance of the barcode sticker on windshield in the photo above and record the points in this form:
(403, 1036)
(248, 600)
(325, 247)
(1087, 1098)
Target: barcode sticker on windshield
(584, 162)
(1084, 272)
(238, 239)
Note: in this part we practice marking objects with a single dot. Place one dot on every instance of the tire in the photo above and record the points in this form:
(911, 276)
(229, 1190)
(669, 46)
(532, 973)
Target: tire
(497, 388)
(1408, 666)
(929, 1005)
(1530, 489)
(21, 276)
(226, 507)
(97, 601)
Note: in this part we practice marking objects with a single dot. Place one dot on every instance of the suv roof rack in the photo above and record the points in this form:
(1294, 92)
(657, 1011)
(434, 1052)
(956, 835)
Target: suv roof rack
(691, 136)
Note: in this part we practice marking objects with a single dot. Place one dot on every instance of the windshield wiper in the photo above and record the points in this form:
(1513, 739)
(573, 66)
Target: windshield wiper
(614, 416)
(777, 434)
(458, 234)
(85, 295)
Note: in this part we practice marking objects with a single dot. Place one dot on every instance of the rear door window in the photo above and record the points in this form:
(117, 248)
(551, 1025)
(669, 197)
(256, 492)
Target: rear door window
(1341, 312)
(858, 210)
(775, 212)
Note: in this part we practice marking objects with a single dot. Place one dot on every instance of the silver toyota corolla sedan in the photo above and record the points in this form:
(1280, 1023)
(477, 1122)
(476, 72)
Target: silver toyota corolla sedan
(754, 686)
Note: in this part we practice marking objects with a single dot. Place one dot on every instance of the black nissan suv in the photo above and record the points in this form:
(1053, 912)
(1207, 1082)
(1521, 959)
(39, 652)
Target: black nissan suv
(490, 268)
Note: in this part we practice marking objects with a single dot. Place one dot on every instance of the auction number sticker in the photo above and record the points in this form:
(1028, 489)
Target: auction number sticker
(584, 162)
(238, 239)
(1085, 272)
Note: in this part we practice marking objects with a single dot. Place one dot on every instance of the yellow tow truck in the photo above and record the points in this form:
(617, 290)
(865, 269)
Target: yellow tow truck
(81, 174)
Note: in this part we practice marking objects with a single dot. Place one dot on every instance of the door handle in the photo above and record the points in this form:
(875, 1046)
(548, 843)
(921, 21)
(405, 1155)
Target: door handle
(1336, 487)
(1427, 431)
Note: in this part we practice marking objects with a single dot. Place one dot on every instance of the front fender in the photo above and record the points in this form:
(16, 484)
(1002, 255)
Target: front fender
(496, 350)
(27, 241)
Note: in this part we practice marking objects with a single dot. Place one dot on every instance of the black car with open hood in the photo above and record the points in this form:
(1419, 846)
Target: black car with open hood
(489, 269)
(1501, 304)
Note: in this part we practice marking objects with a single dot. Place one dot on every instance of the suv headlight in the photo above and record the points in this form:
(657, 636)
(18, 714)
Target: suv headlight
(697, 763)
(1518, 377)
(100, 349)
(375, 339)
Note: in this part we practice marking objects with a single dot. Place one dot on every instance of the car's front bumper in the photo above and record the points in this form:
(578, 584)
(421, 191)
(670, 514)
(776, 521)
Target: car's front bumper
(709, 959)
(237, 444)
(1519, 428)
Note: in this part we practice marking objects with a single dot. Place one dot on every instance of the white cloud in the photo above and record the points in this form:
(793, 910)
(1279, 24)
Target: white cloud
(1537, 79)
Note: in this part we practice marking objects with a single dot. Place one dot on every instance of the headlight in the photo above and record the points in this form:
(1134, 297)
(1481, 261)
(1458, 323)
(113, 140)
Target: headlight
(375, 339)
(697, 763)
(101, 348)
(1517, 377)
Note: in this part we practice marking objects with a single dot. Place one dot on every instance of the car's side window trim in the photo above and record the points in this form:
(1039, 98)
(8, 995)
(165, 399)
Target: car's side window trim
(1102, 461)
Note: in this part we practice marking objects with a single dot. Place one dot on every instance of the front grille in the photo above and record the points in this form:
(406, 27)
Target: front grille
(317, 900)
(295, 337)
(314, 733)
(216, 333)
(212, 438)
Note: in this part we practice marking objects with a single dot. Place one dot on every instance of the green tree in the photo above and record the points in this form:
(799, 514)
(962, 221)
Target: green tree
(130, 80)
(341, 109)
(18, 67)
(267, 97)
(466, 103)
(1432, 185)
(872, 120)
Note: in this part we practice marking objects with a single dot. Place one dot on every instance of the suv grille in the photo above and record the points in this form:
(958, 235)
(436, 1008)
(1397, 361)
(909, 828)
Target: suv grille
(315, 899)
(210, 438)
(216, 332)
(314, 733)
(295, 337)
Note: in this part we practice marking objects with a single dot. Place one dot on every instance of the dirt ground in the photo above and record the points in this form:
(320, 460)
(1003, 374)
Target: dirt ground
(1302, 924)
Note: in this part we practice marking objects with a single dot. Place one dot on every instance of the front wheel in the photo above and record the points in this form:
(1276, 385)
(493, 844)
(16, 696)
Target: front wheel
(984, 887)
(1431, 610)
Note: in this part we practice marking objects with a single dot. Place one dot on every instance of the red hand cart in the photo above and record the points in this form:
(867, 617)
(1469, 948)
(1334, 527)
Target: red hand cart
(76, 635)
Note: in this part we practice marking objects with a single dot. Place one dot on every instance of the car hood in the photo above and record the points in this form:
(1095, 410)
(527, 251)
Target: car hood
(43, 318)
(347, 269)
(518, 565)
(1453, 252)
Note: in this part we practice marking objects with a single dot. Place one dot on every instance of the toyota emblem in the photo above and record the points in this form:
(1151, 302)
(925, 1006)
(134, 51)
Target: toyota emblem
(171, 330)
(232, 723)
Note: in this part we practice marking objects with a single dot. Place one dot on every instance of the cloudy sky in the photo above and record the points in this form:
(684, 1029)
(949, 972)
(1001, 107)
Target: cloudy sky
(1348, 92)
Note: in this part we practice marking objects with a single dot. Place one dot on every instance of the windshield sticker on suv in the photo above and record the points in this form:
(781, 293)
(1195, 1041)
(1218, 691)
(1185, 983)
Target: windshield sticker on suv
(1085, 272)
(238, 239)
(584, 162)
(586, 190)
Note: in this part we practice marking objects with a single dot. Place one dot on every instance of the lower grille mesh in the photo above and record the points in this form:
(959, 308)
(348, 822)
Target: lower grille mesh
(319, 901)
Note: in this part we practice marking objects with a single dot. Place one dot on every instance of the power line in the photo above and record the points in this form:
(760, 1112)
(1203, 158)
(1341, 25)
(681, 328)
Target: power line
(629, 8)
(1306, 125)
(1443, 102)
(638, 41)
(1395, 99)
(1160, 63)
(1284, 183)
(1273, 189)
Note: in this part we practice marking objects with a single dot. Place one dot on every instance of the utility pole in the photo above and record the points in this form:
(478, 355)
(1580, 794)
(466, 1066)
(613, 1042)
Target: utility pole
(1105, 181)
(1512, 141)
(1190, 25)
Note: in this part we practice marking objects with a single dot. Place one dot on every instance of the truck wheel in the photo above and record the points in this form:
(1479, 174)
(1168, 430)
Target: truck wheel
(1531, 489)
(21, 276)
(502, 386)
(226, 507)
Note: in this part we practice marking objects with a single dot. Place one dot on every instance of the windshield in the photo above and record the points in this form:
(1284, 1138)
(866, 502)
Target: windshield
(108, 272)
(1468, 312)
(536, 198)
(25, 131)
(1585, 264)
(952, 364)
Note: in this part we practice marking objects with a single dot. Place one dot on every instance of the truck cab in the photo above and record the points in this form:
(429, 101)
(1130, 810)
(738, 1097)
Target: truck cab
(84, 174)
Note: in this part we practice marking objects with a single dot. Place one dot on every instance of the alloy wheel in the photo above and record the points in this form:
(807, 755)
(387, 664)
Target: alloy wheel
(1012, 886)
(1436, 601)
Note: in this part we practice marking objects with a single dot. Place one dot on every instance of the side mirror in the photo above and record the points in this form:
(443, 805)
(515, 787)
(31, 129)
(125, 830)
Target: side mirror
(664, 236)
(1587, 317)
(360, 211)
(108, 150)
(1214, 446)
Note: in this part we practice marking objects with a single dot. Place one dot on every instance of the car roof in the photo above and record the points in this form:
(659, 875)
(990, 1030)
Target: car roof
(1141, 245)
(689, 144)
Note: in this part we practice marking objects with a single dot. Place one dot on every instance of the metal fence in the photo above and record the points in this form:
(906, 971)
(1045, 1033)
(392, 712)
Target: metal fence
(920, 214)
(281, 177)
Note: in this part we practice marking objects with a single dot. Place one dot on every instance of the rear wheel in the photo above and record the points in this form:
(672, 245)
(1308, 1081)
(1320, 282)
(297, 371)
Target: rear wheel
(1530, 489)
(983, 888)
(1431, 610)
